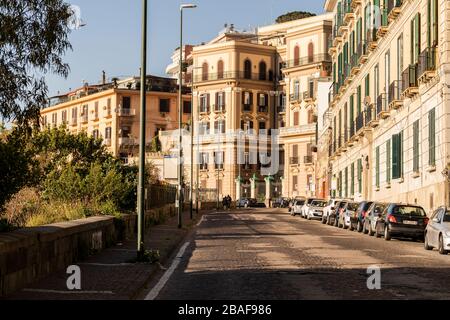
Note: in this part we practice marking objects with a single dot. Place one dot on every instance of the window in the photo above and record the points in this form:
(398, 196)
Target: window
(247, 125)
(311, 52)
(346, 182)
(388, 162)
(64, 116)
(203, 128)
(415, 39)
(360, 169)
(262, 100)
(96, 110)
(352, 112)
(358, 99)
(219, 126)
(262, 126)
(295, 183)
(74, 115)
(108, 133)
(126, 102)
(296, 118)
(54, 119)
(95, 134)
(377, 167)
(340, 184)
(218, 160)
(220, 101)
(262, 71)
(311, 116)
(416, 146)
(220, 69)
(295, 150)
(432, 23)
(376, 82)
(387, 70)
(108, 107)
(187, 107)
(205, 69)
(204, 103)
(296, 55)
(432, 137)
(399, 57)
(164, 105)
(204, 159)
(352, 179)
(367, 85)
(247, 69)
(296, 89)
(247, 101)
(397, 157)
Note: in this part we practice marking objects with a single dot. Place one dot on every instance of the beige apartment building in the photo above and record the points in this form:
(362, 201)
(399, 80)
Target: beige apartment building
(252, 82)
(111, 111)
(390, 100)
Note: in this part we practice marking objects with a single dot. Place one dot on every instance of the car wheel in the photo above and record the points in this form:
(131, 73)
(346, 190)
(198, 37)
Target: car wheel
(425, 243)
(364, 230)
(441, 245)
(324, 220)
(359, 226)
(377, 234)
(350, 227)
(344, 226)
(308, 217)
(387, 233)
(371, 233)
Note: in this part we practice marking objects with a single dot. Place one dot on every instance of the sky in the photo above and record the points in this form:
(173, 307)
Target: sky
(110, 41)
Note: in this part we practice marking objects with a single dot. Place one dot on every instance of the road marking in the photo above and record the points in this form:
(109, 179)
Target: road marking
(201, 220)
(66, 292)
(162, 282)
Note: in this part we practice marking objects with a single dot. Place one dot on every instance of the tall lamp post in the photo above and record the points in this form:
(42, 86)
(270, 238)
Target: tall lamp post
(141, 188)
(192, 146)
(180, 118)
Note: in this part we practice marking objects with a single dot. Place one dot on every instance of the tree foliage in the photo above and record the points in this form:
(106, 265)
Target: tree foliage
(294, 15)
(33, 39)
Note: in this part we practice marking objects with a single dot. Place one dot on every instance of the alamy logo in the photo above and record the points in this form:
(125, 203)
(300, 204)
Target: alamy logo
(74, 280)
(374, 279)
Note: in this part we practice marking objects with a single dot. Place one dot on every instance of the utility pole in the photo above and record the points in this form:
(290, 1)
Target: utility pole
(141, 188)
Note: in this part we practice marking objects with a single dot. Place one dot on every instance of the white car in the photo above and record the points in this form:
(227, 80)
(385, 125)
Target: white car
(297, 207)
(437, 233)
(306, 207)
(315, 210)
(328, 209)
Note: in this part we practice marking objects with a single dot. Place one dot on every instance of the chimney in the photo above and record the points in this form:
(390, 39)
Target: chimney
(103, 77)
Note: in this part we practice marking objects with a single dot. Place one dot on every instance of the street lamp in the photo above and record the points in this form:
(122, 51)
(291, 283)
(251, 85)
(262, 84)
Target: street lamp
(141, 188)
(192, 147)
(180, 117)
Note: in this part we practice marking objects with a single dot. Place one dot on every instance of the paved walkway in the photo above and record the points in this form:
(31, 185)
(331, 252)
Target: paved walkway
(110, 275)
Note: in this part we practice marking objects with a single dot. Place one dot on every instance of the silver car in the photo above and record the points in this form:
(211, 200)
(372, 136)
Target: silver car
(437, 232)
(347, 213)
(315, 210)
(372, 216)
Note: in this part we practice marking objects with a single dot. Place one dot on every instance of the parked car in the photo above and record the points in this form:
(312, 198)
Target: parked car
(437, 232)
(372, 215)
(315, 210)
(333, 217)
(327, 210)
(348, 211)
(306, 206)
(297, 207)
(402, 220)
(246, 202)
(357, 221)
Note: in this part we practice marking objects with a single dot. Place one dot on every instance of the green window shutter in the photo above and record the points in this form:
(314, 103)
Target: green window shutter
(435, 23)
(388, 161)
(432, 137)
(334, 73)
(412, 40)
(416, 146)
(346, 182)
(377, 166)
(352, 114)
(429, 22)
(352, 179)
(416, 38)
(359, 175)
(367, 85)
(340, 184)
(358, 100)
(395, 160)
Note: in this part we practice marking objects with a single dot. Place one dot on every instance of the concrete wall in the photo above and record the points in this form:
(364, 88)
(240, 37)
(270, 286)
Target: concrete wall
(29, 254)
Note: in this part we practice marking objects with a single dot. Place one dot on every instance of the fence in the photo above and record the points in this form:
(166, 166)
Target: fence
(158, 196)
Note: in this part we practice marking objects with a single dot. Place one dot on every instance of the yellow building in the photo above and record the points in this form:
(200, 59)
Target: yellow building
(390, 105)
(111, 111)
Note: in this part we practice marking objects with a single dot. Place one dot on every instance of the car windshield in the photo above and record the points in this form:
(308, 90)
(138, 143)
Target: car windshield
(378, 208)
(342, 204)
(446, 217)
(352, 206)
(409, 211)
(319, 203)
(300, 202)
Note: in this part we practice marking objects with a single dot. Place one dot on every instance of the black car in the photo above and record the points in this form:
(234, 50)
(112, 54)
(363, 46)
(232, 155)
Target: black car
(333, 217)
(402, 220)
(357, 221)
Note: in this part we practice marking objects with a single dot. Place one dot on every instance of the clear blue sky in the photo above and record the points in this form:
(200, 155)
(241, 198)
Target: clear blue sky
(111, 39)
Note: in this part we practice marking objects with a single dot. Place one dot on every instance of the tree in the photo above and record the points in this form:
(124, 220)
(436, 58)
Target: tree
(33, 39)
(294, 15)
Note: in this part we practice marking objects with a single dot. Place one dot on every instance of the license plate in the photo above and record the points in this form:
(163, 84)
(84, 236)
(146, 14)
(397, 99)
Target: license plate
(413, 223)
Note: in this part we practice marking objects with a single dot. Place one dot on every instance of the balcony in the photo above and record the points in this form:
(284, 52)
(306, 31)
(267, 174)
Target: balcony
(205, 109)
(263, 109)
(359, 123)
(318, 58)
(372, 40)
(410, 85)
(308, 159)
(342, 25)
(394, 9)
(371, 116)
(203, 167)
(337, 36)
(331, 48)
(295, 98)
(383, 110)
(126, 141)
(427, 65)
(126, 112)
(384, 26)
(232, 75)
(308, 96)
(307, 129)
(352, 133)
(363, 52)
(349, 14)
(219, 108)
(293, 161)
(348, 77)
(281, 109)
(395, 94)
(354, 64)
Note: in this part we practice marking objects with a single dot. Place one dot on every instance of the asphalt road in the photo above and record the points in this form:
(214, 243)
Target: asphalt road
(268, 254)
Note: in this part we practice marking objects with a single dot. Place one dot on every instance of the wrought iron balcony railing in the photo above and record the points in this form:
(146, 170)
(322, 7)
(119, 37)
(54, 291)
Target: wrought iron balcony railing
(323, 57)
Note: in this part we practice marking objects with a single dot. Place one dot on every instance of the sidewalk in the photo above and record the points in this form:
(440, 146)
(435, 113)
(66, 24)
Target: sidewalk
(109, 275)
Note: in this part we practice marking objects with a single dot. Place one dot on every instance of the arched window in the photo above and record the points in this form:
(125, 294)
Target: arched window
(220, 69)
(311, 52)
(296, 55)
(262, 71)
(247, 69)
(205, 71)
